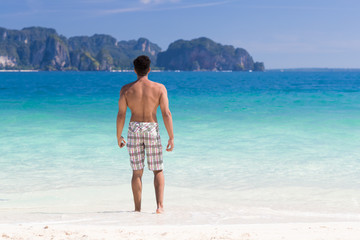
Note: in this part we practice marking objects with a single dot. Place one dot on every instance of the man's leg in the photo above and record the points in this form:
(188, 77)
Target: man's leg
(159, 183)
(136, 185)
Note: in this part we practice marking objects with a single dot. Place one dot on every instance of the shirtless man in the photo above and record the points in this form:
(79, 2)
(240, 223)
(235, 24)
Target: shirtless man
(143, 97)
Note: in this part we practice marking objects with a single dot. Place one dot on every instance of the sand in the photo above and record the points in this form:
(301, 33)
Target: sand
(278, 231)
(80, 214)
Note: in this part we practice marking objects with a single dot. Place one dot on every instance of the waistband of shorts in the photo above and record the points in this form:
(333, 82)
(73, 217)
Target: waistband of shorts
(143, 127)
(143, 123)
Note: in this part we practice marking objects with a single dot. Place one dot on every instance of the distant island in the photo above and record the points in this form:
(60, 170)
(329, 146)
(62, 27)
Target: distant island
(38, 48)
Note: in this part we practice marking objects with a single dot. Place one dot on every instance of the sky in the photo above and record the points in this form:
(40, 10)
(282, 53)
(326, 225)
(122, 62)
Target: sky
(280, 33)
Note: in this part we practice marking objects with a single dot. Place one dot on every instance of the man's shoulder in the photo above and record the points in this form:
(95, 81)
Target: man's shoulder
(155, 85)
(158, 85)
(126, 87)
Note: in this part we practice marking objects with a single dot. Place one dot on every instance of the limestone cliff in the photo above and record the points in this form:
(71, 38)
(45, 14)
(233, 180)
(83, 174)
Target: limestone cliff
(44, 49)
(204, 54)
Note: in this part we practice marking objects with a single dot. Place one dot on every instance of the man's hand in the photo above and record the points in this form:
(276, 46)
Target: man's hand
(170, 145)
(121, 142)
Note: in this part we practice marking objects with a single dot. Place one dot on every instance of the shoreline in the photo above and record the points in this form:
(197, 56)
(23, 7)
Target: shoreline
(19, 70)
(114, 204)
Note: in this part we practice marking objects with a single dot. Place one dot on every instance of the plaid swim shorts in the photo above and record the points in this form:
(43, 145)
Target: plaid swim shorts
(144, 137)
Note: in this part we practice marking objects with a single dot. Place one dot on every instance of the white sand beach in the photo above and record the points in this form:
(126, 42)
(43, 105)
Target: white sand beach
(286, 231)
(106, 213)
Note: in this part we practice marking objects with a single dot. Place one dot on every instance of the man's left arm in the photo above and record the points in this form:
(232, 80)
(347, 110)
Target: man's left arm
(120, 121)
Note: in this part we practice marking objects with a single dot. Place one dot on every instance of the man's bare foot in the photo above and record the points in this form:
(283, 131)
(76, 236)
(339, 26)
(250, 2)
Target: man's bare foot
(159, 210)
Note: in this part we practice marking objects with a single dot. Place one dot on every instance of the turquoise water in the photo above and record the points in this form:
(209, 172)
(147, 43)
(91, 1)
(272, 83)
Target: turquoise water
(233, 131)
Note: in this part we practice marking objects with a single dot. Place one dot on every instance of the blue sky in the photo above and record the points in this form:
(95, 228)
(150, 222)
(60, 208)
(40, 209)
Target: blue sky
(283, 34)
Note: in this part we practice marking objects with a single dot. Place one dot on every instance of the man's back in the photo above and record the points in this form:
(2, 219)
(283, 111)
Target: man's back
(143, 98)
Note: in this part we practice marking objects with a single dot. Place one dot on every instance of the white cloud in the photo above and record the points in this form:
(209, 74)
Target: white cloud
(119, 10)
(155, 2)
(209, 4)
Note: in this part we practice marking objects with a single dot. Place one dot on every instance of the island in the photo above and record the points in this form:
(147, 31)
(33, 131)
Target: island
(39, 48)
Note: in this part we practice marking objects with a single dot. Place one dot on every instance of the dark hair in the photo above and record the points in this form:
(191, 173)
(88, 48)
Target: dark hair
(142, 65)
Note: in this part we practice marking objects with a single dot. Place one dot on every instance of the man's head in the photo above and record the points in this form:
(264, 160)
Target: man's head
(142, 65)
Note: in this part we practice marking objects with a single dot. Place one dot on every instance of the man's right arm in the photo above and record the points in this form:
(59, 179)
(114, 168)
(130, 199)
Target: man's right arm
(120, 120)
(166, 114)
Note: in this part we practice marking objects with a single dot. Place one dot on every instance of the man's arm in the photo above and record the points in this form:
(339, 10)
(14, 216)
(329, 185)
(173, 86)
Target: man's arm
(166, 114)
(120, 121)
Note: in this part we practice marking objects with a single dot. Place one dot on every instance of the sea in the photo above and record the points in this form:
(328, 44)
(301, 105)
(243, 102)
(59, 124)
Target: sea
(250, 147)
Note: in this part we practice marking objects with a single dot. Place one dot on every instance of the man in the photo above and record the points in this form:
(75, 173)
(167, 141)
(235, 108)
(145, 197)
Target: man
(143, 97)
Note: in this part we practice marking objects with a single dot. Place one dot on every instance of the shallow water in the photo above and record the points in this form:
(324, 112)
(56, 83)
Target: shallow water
(283, 141)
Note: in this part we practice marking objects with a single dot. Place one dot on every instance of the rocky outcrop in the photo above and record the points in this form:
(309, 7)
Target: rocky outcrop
(83, 61)
(259, 66)
(139, 47)
(105, 60)
(56, 54)
(204, 54)
(92, 44)
(6, 61)
(88, 63)
(43, 48)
